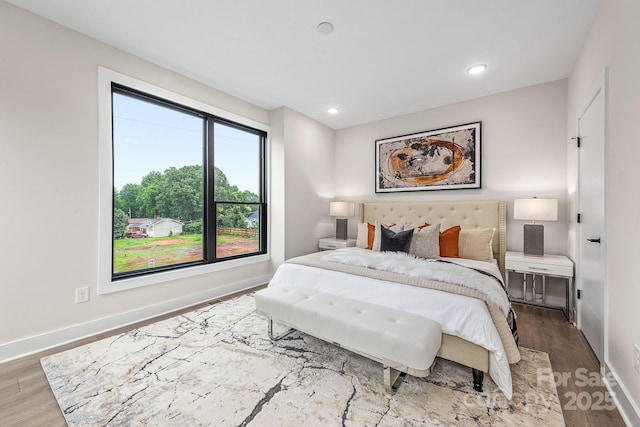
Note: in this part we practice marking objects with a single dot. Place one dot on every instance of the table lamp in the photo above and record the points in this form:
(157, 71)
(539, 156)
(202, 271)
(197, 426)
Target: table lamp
(342, 210)
(535, 210)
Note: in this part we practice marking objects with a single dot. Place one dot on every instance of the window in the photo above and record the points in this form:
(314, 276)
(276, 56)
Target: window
(188, 186)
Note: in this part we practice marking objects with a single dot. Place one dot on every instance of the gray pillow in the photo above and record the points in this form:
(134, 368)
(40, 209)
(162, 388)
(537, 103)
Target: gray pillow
(395, 242)
(426, 242)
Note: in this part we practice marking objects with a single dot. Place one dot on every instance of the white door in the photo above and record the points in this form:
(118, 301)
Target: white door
(591, 206)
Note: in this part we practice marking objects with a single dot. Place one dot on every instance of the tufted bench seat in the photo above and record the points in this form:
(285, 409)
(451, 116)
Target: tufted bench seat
(401, 341)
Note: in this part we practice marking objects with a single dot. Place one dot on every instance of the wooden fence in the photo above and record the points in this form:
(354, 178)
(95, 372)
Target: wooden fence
(245, 232)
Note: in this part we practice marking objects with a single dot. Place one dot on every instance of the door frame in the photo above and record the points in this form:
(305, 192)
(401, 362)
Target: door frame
(600, 86)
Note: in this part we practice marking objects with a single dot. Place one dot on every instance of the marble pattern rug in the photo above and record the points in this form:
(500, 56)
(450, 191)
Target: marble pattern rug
(216, 366)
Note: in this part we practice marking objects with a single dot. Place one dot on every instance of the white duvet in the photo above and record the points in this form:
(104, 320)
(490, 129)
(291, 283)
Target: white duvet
(459, 315)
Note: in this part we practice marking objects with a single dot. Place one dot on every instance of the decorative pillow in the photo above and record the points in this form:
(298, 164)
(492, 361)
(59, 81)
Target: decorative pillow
(362, 239)
(369, 235)
(426, 241)
(476, 243)
(396, 242)
(449, 242)
(377, 234)
(366, 234)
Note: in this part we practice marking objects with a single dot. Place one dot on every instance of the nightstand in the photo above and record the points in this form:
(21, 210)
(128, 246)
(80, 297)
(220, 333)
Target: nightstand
(333, 243)
(546, 266)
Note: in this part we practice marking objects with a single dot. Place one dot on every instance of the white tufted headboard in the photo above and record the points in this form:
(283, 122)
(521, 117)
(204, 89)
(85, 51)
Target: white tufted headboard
(467, 214)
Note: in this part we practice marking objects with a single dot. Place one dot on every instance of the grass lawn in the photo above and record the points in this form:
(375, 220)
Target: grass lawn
(142, 253)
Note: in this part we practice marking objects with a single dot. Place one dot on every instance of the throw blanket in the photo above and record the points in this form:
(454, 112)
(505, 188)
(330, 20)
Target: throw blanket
(433, 269)
(501, 319)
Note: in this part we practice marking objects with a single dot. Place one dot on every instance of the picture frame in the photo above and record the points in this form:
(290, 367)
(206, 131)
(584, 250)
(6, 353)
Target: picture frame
(440, 159)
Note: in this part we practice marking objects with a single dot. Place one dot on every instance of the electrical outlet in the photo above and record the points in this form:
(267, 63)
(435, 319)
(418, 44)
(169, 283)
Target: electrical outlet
(636, 358)
(82, 295)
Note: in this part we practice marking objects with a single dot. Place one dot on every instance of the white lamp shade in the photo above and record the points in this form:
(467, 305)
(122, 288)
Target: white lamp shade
(535, 209)
(343, 209)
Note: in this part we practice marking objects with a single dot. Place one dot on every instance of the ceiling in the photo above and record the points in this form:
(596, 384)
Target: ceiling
(383, 59)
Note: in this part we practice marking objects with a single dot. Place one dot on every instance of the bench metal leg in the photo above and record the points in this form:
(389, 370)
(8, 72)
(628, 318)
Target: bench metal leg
(279, 336)
(392, 379)
(478, 378)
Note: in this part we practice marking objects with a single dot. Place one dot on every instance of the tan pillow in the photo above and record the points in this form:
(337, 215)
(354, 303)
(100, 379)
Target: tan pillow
(476, 243)
(362, 239)
(426, 242)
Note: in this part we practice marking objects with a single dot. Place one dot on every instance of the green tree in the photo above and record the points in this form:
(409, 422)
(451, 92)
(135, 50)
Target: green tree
(223, 190)
(194, 227)
(248, 196)
(232, 215)
(118, 203)
(150, 188)
(120, 222)
(181, 193)
(129, 199)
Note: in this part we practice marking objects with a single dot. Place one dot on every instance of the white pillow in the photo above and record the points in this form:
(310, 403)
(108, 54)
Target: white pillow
(426, 242)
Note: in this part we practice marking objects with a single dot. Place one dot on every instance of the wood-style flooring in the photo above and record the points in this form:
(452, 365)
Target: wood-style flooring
(27, 400)
(574, 364)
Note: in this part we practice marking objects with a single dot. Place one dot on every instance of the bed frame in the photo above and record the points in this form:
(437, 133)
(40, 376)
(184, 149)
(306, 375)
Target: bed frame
(467, 214)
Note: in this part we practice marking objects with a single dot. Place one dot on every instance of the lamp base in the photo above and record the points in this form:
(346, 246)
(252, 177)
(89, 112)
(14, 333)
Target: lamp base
(534, 239)
(341, 228)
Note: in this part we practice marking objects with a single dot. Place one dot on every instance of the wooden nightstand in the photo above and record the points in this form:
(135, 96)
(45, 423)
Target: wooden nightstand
(546, 266)
(333, 243)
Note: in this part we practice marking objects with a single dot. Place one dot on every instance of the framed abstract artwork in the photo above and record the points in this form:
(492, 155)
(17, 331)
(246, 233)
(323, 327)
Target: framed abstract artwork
(441, 159)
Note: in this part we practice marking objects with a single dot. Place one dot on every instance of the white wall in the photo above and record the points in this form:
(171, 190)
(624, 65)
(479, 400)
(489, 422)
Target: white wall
(304, 184)
(49, 175)
(613, 43)
(523, 155)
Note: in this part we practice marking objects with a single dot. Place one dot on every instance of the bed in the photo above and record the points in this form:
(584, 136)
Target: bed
(472, 335)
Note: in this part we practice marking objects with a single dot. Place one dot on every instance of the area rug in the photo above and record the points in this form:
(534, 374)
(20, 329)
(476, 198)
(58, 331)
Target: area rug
(217, 367)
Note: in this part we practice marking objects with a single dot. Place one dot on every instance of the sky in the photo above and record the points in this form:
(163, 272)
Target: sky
(148, 137)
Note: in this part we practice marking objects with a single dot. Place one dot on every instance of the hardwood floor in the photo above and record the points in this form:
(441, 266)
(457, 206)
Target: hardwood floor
(574, 365)
(27, 400)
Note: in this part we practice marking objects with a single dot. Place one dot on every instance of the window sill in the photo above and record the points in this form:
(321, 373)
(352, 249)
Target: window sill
(107, 286)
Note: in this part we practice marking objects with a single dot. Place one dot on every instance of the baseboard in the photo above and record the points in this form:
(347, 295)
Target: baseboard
(628, 409)
(34, 344)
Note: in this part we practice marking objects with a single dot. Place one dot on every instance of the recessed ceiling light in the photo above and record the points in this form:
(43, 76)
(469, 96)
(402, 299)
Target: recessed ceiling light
(333, 110)
(477, 69)
(325, 28)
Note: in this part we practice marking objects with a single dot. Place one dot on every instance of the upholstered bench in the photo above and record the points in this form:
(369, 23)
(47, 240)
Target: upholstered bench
(401, 341)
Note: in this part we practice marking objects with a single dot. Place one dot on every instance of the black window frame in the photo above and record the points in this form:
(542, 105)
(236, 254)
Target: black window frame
(209, 249)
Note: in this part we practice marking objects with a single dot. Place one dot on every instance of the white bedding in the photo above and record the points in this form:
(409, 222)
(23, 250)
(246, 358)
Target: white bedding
(489, 284)
(461, 316)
